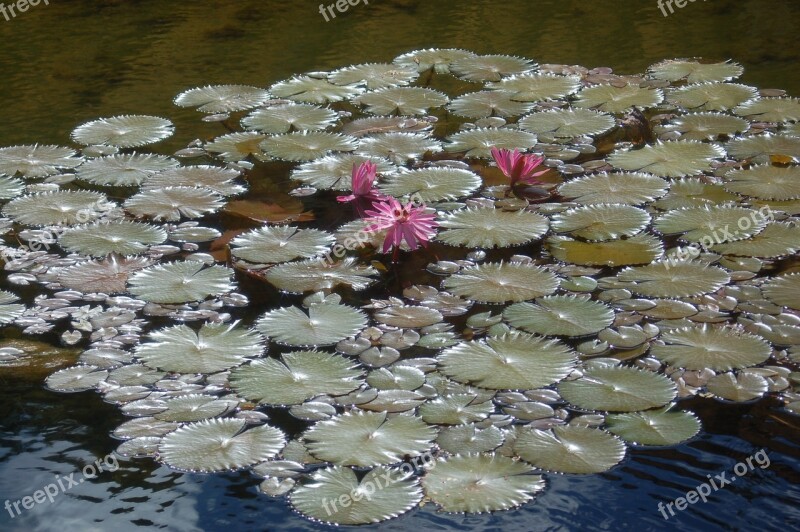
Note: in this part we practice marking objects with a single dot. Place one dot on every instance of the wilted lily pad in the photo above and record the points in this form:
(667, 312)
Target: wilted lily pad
(570, 449)
(560, 315)
(486, 228)
(618, 389)
(654, 427)
(501, 282)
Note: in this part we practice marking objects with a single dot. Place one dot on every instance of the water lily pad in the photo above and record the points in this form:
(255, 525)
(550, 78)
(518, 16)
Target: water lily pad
(654, 427)
(488, 103)
(765, 146)
(601, 222)
(128, 131)
(325, 324)
(369, 438)
(222, 98)
(709, 225)
(693, 192)
(10, 187)
(783, 290)
(697, 348)
(401, 100)
(465, 439)
(515, 361)
(478, 483)
(408, 316)
(215, 347)
(631, 188)
(611, 99)
(383, 493)
(694, 71)
(501, 282)
(570, 449)
(479, 142)
(108, 276)
(101, 239)
(236, 146)
(537, 87)
(711, 96)
(618, 389)
(219, 445)
(681, 279)
(437, 58)
(568, 122)
(295, 378)
(65, 207)
(770, 110)
(456, 409)
(740, 388)
(76, 379)
(125, 169)
(490, 67)
(432, 184)
(668, 159)
(180, 282)
(335, 171)
(37, 160)
(172, 203)
(312, 90)
(306, 145)
(214, 178)
(280, 243)
(398, 147)
(194, 407)
(317, 274)
(374, 75)
(561, 315)
(142, 427)
(370, 125)
(765, 182)
(703, 126)
(639, 249)
(396, 378)
(486, 227)
(278, 119)
(9, 309)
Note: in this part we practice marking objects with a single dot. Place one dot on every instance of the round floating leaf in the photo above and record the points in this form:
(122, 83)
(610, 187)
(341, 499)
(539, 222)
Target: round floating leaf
(771, 110)
(437, 58)
(295, 378)
(654, 427)
(710, 225)
(170, 203)
(697, 348)
(142, 427)
(284, 118)
(618, 389)
(194, 407)
(313, 90)
(219, 445)
(109, 276)
(764, 146)
(432, 184)
(222, 98)
(398, 147)
(408, 316)
(214, 178)
(38, 160)
(668, 159)
(612, 99)
(681, 279)
(280, 243)
(766, 182)
(382, 494)
(194, 233)
(568, 122)
(570, 449)
(325, 324)
(514, 361)
(479, 142)
(318, 274)
(465, 439)
(335, 171)
(478, 483)
(127, 131)
(501, 282)
(538, 87)
(486, 228)
(639, 249)
(76, 379)
(374, 75)
(693, 71)
(122, 237)
(741, 387)
(693, 192)
(601, 222)
(306, 145)
(396, 378)
(362, 127)
(401, 100)
(783, 290)
(702, 126)
(215, 347)
(10, 187)
(488, 103)
(236, 146)
(63, 207)
(455, 409)
(621, 187)
(711, 96)
(369, 438)
(180, 282)
(9, 310)
(124, 170)
(562, 315)
(490, 67)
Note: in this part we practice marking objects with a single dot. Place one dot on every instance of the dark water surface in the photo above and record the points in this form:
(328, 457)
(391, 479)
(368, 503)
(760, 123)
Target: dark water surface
(71, 61)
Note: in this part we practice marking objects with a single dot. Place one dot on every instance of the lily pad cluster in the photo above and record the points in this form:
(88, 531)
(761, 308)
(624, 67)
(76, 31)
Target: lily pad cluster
(548, 327)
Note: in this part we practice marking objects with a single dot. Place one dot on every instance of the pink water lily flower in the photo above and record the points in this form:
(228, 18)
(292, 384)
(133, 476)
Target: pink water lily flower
(517, 166)
(364, 191)
(404, 222)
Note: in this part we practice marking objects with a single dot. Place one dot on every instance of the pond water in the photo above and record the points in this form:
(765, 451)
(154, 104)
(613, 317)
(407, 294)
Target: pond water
(65, 63)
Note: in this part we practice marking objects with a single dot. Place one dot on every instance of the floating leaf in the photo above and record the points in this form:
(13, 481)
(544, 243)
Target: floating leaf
(194, 407)
(38, 160)
(295, 378)
(312, 90)
(478, 143)
(764, 146)
(490, 67)
(125, 169)
(488, 103)
(129, 131)
(432, 184)
(283, 209)
(382, 494)
(765, 182)
(214, 178)
(570, 449)
(681, 279)
(306, 145)
(219, 445)
(396, 378)
(711, 96)
(335, 171)
(618, 389)
(222, 98)
(319, 274)
(385, 124)
(741, 387)
(465, 439)
(398, 147)
(568, 122)
(501, 282)
(668, 159)
(374, 75)
(693, 192)
(697, 348)
(694, 71)
(561, 315)
(109, 276)
(654, 427)
(611, 99)
(480, 483)
(76, 379)
(771, 110)
(401, 100)
(630, 188)
(455, 409)
(486, 228)
(784, 290)
(408, 316)
(9, 310)
(55, 208)
(703, 126)
(437, 58)
(236, 146)
(101, 239)
(514, 361)
(709, 225)
(180, 282)
(538, 87)
(280, 244)
(325, 324)
(278, 119)
(601, 222)
(171, 203)
(10, 187)
(639, 249)
(215, 347)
